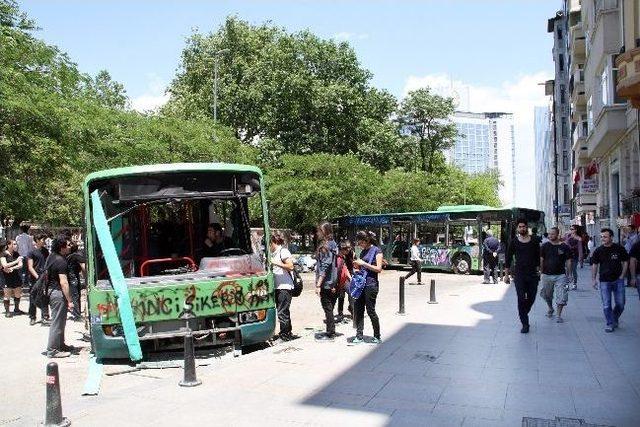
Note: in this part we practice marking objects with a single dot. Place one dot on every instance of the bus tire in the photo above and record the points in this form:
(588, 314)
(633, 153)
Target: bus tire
(461, 264)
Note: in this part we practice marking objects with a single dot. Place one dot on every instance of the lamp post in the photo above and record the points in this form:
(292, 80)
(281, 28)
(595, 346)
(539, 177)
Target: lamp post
(215, 83)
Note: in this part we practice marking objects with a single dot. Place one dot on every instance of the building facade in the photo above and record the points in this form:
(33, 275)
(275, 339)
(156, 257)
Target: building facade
(544, 161)
(602, 46)
(486, 143)
(561, 123)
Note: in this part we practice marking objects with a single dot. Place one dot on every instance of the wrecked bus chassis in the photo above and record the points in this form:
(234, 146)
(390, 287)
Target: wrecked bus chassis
(149, 281)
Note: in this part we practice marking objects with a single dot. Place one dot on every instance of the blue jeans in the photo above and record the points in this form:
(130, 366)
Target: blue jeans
(606, 288)
(574, 270)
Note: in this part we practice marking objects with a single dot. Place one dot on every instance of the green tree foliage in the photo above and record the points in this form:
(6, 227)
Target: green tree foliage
(310, 95)
(427, 117)
(57, 125)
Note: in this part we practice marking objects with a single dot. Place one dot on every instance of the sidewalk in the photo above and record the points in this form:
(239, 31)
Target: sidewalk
(459, 362)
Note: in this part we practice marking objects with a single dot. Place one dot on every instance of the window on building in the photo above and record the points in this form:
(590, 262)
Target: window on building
(581, 73)
(565, 161)
(604, 86)
(566, 194)
(564, 128)
(561, 62)
(589, 115)
(559, 33)
(563, 93)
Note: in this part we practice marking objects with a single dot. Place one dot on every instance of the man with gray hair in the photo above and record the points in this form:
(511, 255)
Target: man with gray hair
(490, 247)
(555, 257)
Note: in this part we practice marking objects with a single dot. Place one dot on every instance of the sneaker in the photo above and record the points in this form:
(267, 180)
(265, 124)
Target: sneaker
(357, 340)
(525, 329)
(550, 312)
(574, 287)
(485, 282)
(19, 313)
(326, 337)
(609, 328)
(57, 354)
(375, 340)
(615, 325)
(32, 322)
(559, 320)
(340, 318)
(45, 322)
(8, 314)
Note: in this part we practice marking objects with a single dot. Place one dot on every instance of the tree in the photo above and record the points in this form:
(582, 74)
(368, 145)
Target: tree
(309, 94)
(109, 92)
(426, 117)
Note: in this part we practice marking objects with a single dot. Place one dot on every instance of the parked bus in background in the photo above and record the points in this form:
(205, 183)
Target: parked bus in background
(169, 251)
(450, 237)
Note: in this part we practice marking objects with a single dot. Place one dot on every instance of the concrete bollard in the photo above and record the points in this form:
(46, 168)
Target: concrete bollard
(189, 379)
(432, 292)
(53, 415)
(401, 295)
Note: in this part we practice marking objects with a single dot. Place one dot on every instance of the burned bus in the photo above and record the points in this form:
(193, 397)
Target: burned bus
(150, 280)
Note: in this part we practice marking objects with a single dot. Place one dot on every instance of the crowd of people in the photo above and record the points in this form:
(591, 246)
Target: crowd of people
(553, 262)
(336, 265)
(23, 261)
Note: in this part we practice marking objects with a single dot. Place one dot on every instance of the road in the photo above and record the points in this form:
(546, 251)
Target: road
(459, 362)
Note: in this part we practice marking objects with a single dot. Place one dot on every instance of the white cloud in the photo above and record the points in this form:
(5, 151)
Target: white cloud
(346, 36)
(155, 96)
(518, 96)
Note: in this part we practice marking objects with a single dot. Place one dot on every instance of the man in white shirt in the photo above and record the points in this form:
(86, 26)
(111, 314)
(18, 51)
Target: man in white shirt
(416, 261)
(25, 245)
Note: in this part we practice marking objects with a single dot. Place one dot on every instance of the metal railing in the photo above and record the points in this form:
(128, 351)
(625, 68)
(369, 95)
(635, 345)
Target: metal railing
(631, 205)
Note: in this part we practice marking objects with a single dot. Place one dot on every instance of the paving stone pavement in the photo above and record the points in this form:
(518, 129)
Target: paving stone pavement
(459, 362)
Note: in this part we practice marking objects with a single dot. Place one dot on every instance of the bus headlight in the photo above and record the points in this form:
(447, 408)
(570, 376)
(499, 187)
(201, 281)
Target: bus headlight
(252, 316)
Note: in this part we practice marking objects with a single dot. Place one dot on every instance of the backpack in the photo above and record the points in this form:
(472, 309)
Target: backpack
(298, 284)
(39, 292)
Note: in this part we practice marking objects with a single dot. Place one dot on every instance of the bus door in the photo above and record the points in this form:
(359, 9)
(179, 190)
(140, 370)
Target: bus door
(433, 244)
(401, 232)
(463, 241)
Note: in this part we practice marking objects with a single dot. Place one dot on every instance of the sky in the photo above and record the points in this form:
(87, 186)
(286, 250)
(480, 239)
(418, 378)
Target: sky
(498, 50)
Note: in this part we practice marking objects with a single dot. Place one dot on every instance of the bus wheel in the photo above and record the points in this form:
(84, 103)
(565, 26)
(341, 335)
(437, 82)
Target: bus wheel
(462, 264)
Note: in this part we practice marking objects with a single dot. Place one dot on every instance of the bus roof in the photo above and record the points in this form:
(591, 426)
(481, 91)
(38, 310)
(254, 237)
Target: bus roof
(468, 208)
(169, 167)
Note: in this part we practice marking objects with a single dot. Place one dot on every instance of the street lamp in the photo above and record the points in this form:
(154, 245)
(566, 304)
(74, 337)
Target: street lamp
(215, 83)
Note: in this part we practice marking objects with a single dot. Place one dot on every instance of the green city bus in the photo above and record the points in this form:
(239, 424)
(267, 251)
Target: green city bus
(450, 237)
(149, 283)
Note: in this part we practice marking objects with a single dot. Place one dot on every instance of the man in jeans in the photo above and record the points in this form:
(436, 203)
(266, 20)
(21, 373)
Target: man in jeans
(327, 278)
(490, 248)
(59, 297)
(575, 243)
(611, 260)
(554, 256)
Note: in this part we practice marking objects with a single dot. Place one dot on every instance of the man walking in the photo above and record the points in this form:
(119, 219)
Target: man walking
(25, 245)
(527, 259)
(36, 261)
(574, 241)
(416, 262)
(554, 256)
(490, 248)
(611, 260)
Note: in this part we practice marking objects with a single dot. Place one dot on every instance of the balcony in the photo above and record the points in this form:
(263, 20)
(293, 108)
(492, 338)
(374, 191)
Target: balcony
(628, 85)
(577, 45)
(609, 127)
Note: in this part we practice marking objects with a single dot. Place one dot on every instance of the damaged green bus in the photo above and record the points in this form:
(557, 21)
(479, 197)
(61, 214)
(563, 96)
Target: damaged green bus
(151, 280)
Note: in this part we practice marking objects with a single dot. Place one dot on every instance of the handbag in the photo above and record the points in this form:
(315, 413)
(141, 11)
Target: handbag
(40, 289)
(359, 280)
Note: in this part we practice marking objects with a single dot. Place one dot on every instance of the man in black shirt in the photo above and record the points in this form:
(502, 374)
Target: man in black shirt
(59, 297)
(490, 248)
(214, 244)
(555, 255)
(36, 261)
(527, 259)
(611, 259)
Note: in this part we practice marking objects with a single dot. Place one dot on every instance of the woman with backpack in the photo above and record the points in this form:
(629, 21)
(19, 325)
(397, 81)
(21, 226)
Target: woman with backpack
(345, 258)
(282, 265)
(10, 268)
(327, 277)
(370, 264)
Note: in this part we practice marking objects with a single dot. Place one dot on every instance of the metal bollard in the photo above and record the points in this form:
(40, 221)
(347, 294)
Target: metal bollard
(432, 292)
(189, 379)
(237, 343)
(401, 295)
(53, 415)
